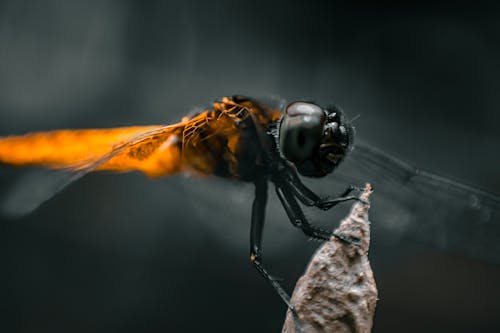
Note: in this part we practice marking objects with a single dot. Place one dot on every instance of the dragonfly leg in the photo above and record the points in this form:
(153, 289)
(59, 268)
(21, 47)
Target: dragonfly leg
(348, 190)
(258, 217)
(328, 203)
(309, 198)
(298, 219)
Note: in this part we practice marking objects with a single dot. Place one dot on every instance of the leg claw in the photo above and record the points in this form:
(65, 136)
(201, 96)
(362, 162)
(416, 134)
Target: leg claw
(348, 239)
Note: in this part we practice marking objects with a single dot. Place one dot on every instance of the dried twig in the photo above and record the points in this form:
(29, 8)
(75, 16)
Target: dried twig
(337, 293)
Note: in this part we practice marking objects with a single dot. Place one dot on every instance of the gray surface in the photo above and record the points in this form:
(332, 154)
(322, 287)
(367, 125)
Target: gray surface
(123, 253)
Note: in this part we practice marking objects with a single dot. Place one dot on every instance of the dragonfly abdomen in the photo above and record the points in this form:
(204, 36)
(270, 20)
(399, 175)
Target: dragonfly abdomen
(153, 150)
(220, 141)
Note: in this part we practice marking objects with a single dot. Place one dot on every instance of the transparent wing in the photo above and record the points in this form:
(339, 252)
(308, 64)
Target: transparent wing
(39, 185)
(410, 202)
(224, 208)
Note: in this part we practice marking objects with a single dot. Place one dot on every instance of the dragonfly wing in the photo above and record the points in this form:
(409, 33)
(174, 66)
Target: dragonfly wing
(224, 207)
(39, 185)
(414, 203)
(35, 187)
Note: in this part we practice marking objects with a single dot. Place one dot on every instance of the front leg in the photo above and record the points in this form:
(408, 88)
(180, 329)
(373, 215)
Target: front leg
(298, 219)
(309, 198)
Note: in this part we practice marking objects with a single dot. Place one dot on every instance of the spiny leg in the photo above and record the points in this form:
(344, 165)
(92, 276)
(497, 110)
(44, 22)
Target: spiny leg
(258, 217)
(328, 203)
(309, 198)
(298, 219)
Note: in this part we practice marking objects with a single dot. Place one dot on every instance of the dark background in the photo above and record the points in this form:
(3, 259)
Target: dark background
(122, 253)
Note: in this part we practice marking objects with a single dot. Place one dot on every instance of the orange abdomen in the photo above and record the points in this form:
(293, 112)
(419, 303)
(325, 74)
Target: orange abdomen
(150, 149)
(207, 143)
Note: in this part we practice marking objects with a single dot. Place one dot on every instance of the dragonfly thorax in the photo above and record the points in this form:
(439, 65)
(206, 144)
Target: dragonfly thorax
(314, 139)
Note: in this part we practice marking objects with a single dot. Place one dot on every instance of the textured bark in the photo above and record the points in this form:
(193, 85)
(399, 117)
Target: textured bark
(337, 293)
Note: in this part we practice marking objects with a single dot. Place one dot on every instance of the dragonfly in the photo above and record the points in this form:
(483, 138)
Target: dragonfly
(263, 143)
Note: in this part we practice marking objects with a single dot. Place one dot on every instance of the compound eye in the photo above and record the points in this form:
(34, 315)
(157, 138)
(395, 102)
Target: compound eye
(304, 108)
(301, 130)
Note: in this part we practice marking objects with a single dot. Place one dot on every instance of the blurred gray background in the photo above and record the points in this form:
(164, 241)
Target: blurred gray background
(122, 253)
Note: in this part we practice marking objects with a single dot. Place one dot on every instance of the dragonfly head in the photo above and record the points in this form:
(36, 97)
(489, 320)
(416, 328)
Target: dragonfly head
(313, 138)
